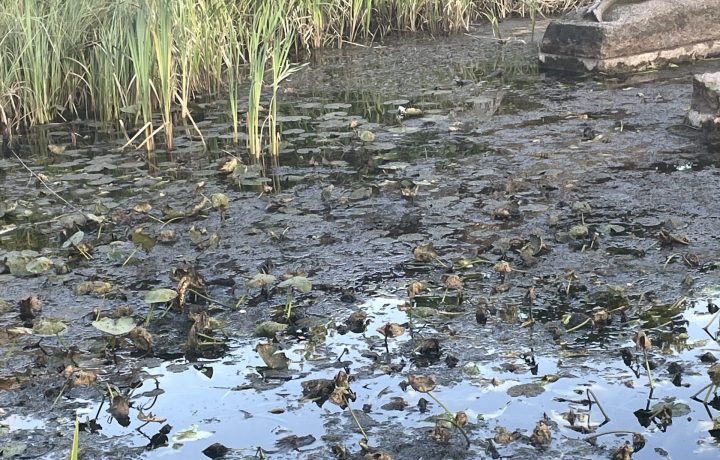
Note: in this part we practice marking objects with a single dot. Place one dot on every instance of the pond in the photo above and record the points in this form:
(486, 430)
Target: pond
(456, 256)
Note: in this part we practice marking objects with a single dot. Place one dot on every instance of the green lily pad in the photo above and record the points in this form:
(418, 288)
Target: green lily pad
(74, 240)
(269, 329)
(220, 201)
(39, 265)
(366, 136)
(49, 328)
(300, 283)
(12, 449)
(143, 240)
(120, 326)
(160, 296)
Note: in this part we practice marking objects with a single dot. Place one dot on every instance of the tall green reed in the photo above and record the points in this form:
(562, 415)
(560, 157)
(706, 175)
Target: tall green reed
(119, 59)
(161, 30)
(139, 40)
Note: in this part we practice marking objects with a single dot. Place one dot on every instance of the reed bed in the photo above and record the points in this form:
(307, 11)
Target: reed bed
(140, 63)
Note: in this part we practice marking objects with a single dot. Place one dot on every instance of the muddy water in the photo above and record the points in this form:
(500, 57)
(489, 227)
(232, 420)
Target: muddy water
(591, 189)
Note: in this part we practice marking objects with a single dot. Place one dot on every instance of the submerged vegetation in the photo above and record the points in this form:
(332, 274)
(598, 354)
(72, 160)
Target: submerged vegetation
(142, 62)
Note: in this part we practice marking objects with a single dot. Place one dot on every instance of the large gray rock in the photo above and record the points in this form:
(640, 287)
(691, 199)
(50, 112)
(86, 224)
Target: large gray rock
(705, 107)
(632, 35)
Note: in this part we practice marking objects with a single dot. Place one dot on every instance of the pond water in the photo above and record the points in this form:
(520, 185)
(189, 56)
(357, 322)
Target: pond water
(550, 201)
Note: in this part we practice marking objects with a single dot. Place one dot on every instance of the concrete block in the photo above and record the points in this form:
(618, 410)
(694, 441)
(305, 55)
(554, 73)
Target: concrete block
(632, 35)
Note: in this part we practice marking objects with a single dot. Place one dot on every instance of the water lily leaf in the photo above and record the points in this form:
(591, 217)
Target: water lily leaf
(119, 251)
(578, 231)
(99, 288)
(160, 296)
(528, 390)
(191, 434)
(380, 146)
(119, 326)
(49, 328)
(15, 331)
(143, 240)
(220, 201)
(39, 265)
(366, 136)
(13, 449)
(260, 280)
(422, 383)
(424, 312)
(300, 283)
(394, 166)
(273, 358)
(229, 166)
(75, 239)
(677, 409)
(269, 329)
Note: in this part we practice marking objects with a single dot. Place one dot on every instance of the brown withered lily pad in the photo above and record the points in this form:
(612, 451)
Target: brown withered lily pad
(422, 383)
(529, 390)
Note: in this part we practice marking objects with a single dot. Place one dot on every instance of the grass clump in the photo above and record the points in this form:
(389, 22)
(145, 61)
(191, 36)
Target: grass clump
(139, 63)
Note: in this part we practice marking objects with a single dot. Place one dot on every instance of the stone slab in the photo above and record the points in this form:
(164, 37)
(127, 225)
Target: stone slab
(633, 35)
(705, 106)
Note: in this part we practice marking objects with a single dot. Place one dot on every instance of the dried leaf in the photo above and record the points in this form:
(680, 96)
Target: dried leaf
(272, 356)
(391, 330)
(415, 288)
(642, 341)
(422, 383)
(425, 253)
(30, 308)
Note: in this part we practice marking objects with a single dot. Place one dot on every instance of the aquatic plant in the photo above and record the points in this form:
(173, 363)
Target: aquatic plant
(117, 61)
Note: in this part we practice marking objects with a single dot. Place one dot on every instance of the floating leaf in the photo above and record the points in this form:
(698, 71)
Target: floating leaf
(391, 330)
(229, 166)
(160, 296)
(141, 338)
(578, 231)
(215, 450)
(273, 358)
(119, 326)
(220, 201)
(49, 328)
(100, 288)
(422, 383)
(425, 253)
(300, 283)
(528, 390)
(39, 265)
(261, 280)
(269, 329)
(412, 112)
(75, 239)
(191, 434)
(12, 449)
(366, 136)
(142, 239)
(30, 308)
